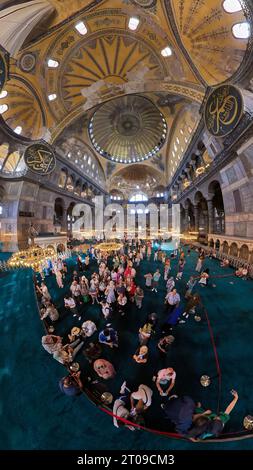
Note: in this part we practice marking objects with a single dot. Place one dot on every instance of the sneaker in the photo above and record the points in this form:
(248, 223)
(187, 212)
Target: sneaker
(187, 316)
(79, 318)
(163, 406)
(154, 378)
(181, 321)
(184, 314)
(123, 388)
(75, 315)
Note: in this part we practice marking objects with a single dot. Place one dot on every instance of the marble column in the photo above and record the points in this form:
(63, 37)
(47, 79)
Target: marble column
(186, 221)
(196, 217)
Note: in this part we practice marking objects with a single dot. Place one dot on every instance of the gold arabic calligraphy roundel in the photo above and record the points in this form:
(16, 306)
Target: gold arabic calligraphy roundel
(223, 110)
(40, 158)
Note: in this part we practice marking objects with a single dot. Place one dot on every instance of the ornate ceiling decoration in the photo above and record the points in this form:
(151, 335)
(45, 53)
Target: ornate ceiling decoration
(136, 178)
(204, 30)
(128, 129)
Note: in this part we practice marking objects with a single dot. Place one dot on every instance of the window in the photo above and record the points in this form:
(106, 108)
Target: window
(52, 97)
(232, 6)
(133, 23)
(81, 28)
(3, 108)
(139, 197)
(3, 94)
(166, 52)
(53, 64)
(18, 130)
(241, 30)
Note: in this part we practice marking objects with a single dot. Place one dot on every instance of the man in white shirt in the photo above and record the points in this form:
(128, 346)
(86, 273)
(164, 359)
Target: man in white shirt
(70, 303)
(172, 300)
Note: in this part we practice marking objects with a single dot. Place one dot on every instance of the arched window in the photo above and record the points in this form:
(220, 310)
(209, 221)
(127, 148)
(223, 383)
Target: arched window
(241, 30)
(232, 6)
(139, 197)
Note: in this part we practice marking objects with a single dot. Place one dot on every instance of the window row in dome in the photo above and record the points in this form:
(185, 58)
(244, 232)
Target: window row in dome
(240, 30)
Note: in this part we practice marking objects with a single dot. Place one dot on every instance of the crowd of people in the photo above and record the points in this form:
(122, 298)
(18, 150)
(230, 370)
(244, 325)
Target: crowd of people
(108, 280)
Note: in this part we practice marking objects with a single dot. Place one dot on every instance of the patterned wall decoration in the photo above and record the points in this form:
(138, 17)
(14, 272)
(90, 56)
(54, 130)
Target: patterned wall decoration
(40, 158)
(205, 29)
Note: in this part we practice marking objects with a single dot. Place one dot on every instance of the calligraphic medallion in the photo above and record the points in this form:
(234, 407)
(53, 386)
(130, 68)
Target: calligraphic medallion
(3, 68)
(40, 158)
(223, 110)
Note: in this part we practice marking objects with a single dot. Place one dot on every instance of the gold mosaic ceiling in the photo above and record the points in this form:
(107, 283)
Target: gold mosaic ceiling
(111, 61)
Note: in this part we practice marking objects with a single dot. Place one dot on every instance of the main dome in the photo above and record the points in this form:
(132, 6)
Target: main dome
(128, 129)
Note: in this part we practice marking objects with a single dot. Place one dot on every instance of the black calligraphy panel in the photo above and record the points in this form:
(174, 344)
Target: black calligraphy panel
(40, 158)
(223, 110)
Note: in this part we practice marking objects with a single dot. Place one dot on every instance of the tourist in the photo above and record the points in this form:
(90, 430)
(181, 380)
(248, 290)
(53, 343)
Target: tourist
(141, 355)
(172, 300)
(145, 333)
(86, 262)
(180, 411)
(122, 302)
(66, 354)
(92, 351)
(155, 256)
(165, 381)
(51, 343)
(193, 301)
(139, 295)
(58, 276)
(120, 408)
(224, 263)
(141, 399)
(148, 278)
(190, 285)
(156, 277)
(109, 337)
(93, 291)
(166, 269)
(242, 272)
(71, 385)
(110, 293)
(88, 328)
(50, 311)
(70, 304)
(200, 263)
(44, 292)
(204, 278)
(164, 345)
(75, 290)
(170, 284)
(181, 265)
(207, 424)
(104, 369)
(106, 309)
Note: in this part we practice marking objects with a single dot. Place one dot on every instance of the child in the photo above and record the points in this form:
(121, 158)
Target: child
(190, 284)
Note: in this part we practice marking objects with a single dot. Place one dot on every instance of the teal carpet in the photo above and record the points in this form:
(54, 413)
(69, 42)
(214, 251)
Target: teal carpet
(36, 415)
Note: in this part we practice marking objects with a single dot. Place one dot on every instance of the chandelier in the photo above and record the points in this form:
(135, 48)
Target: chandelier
(33, 257)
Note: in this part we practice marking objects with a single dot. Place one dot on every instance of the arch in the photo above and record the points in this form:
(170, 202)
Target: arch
(217, 244)
(233, 249)
(225, 247)
(70, 183)
(211, 243)
(244, 252)
(216, 196)
(62, 180)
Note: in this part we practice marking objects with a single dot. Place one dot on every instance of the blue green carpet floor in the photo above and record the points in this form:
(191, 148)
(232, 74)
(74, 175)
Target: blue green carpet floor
(35, 415)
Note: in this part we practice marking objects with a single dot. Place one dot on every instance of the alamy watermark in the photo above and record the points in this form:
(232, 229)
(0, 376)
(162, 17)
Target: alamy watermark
(117, 221)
